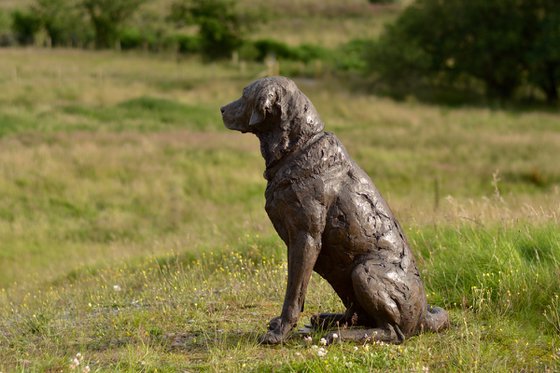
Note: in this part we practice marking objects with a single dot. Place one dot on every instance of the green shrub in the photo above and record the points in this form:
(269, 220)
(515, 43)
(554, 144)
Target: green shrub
(136, 38)
(220, 26)
(309, 52)
(270, 47)
(303, 53)
(187, 44)
(131, 38)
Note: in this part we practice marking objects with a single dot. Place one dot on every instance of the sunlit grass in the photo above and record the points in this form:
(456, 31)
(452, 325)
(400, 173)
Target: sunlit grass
(133, 230)
(206, 311)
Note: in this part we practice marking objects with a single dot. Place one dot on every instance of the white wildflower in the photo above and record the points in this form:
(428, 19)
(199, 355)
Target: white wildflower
(117, 288)
(86, 369)
(321, 352)
(355, 348)
(308, 339)
(74, 363)
(335, 336)
(323, 342)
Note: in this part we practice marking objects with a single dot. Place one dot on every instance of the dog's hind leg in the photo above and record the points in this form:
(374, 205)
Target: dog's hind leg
(392, 297)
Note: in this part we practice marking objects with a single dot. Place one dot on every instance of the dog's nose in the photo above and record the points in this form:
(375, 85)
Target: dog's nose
(222, 109)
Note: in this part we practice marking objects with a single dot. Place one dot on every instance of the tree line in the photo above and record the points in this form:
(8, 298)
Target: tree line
(104, 24)
(499, 47)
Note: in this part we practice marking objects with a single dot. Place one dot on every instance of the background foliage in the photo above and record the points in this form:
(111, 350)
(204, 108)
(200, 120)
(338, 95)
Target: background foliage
(504, 49)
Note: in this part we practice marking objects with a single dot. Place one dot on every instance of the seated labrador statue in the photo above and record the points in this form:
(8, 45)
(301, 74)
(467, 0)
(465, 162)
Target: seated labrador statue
(333, 220)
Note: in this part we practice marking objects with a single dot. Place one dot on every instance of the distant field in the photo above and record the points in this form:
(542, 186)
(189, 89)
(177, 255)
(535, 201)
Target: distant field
(132, 226)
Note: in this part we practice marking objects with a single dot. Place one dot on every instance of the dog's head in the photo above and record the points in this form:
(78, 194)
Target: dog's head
(271, 104)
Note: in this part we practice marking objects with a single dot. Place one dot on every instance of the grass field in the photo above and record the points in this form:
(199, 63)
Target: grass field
(132, 227)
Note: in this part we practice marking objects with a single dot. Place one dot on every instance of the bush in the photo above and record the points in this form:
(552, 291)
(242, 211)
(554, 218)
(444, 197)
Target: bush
(270, 47)
(303, 53)
(132, 38)
(309, 52)
(220, 25)
(25, 26)
(187, 44)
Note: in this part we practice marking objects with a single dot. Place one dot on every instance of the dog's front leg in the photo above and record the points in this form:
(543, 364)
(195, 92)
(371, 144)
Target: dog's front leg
(302, 255)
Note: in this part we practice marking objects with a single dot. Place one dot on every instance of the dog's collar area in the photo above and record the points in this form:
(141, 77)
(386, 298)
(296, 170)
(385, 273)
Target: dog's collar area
(275, 166)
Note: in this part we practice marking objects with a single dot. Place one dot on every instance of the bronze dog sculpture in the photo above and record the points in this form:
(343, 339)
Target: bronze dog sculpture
(333, 220)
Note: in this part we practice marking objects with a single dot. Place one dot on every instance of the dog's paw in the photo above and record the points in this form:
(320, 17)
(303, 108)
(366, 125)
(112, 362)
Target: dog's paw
(275, 323)
(271, 338)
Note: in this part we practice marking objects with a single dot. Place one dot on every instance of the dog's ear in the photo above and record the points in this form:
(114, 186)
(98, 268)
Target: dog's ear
(262, 107)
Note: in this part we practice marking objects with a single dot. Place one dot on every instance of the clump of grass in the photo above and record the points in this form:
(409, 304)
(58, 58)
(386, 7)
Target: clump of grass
(501, 271)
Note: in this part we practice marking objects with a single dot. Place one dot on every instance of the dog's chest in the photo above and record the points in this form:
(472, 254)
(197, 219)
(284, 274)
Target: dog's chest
(315, 174)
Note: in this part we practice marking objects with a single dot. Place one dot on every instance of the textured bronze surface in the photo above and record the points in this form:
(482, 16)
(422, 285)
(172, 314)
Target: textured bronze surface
(333, 220)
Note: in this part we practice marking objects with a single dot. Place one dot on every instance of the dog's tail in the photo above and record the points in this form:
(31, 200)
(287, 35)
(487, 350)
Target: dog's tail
(437, 319)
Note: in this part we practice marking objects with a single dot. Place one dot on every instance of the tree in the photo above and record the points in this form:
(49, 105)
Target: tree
(502, 43)
(62, 21)
(543, 56)
(107, 18)
(220, 26)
